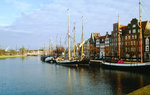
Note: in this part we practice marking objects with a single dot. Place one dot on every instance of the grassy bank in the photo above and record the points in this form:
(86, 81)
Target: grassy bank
(143, 91)
(11, 56)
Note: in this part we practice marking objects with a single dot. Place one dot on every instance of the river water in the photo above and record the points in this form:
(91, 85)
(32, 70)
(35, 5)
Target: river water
(29, 76)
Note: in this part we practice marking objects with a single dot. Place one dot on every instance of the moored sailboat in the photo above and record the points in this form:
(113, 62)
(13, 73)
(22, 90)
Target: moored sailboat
(132, 66)
(68, 62)
(83, 61)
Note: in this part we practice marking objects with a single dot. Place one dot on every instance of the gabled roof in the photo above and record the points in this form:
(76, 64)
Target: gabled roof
(95, 35)
(122, 26)
(101, 37)
(147, 29)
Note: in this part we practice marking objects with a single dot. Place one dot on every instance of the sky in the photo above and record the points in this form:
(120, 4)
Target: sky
(31, 23)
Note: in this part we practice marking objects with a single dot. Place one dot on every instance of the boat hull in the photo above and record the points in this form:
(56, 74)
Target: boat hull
(137, 67)
(50, 60)
(68, 63)
(83, 63)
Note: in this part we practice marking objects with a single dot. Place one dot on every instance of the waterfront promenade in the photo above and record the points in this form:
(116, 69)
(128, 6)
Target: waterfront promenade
(11, 56)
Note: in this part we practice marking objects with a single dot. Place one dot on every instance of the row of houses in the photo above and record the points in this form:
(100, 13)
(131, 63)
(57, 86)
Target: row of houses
(103, 46)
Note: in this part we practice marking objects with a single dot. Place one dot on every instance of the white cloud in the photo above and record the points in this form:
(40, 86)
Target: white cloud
(21, 5)
(51, 19)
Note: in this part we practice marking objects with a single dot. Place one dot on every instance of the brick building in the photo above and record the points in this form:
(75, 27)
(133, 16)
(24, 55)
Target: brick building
(131, 41)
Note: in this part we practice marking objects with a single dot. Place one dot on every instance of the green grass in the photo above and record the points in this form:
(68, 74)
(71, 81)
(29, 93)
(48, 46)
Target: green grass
(10, 56)
(142, 91)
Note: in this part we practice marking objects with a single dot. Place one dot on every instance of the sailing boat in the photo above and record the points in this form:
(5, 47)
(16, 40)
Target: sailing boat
(68, 62)
(83, 61)
(50, 58)
(130, 66)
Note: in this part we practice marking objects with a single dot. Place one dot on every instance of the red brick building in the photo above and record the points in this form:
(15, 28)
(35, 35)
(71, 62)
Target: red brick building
(131, 41)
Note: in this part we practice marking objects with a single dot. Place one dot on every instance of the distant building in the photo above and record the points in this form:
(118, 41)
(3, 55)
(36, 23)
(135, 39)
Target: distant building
(86, 48)
(93, 48)
(114, 40)
(34, 52)
(107, 44)
(102, 46)
(97, 48)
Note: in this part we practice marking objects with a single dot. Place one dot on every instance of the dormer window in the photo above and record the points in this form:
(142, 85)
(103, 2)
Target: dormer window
(116, 28)
(147, 41)
(102, 39)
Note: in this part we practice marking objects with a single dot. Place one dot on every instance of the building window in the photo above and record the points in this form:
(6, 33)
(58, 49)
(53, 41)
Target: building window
(134, 26)
(128, 49)
(147, 41)
(147, 48)
(126, 37)
(135, 36)
(126, 43)
(129, 37)
(116, 28)
(134, 42)
(132, 36)
(129, 31)
(128, 27)
(134, 31)
(131, 49)
(131, 42)
(102, 39)
(138, 30)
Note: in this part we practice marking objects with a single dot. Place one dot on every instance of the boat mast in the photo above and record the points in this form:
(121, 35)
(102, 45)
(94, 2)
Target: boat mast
(49, 47)
(82, 40)
(141, 43)
(60, 41)
(68, 35)
(118, 38)
(44, 49)
(74, 42)
(56, 47)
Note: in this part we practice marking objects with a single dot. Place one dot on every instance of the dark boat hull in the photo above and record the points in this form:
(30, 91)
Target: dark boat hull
(51, 61)
(69, 64)
(43, 58)
(83, 63)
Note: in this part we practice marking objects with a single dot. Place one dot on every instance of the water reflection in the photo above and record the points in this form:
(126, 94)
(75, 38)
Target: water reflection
(69, 90)
(119, 86)
(29, 76)
(141, 81)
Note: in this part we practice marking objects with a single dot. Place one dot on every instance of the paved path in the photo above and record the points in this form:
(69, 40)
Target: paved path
(142, 91)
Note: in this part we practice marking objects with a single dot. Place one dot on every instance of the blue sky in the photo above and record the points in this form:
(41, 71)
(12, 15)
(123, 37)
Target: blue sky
(31, 23)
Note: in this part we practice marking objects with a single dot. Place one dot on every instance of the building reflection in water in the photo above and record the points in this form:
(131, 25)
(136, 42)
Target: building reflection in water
(141, 81)
(119, 85)
(82, 77)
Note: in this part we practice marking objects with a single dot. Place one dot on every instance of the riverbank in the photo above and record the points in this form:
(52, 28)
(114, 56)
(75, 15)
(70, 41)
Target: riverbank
(142, 91)
(11, 56)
